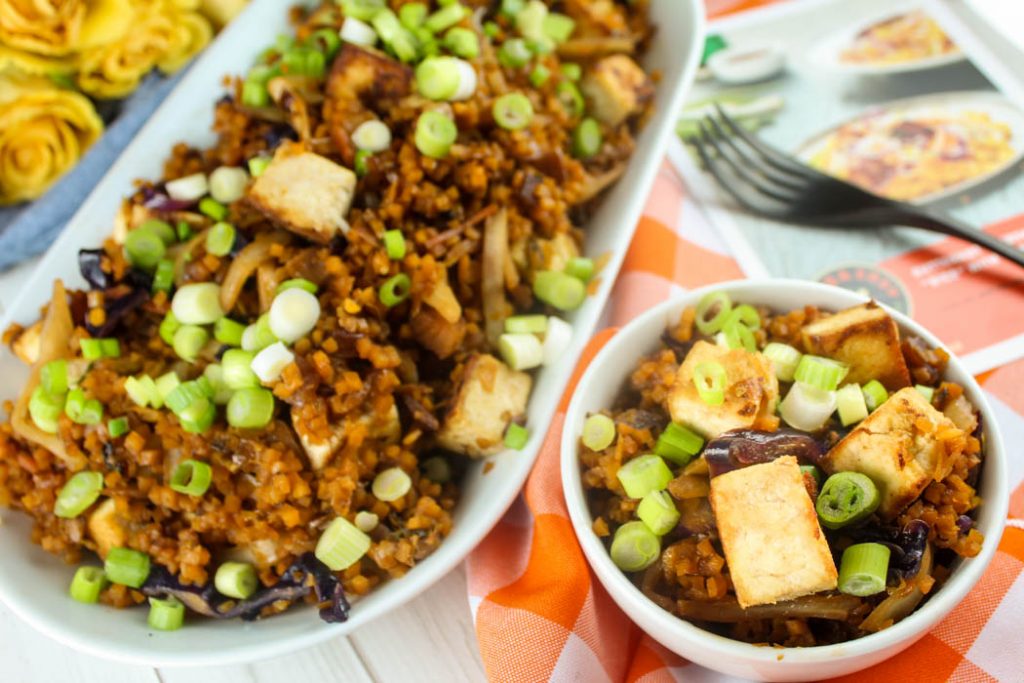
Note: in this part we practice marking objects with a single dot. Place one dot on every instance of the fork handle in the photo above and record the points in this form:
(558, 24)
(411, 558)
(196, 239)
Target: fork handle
(934, 221)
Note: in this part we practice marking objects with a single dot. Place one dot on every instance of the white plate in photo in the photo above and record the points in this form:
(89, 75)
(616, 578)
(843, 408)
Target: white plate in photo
(950, 105)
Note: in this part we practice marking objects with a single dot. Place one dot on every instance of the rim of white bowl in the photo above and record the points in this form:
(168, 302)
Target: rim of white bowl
(964, 577)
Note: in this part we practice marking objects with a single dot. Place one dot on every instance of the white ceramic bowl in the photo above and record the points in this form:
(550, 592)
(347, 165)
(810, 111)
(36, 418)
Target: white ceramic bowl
(598, 388)
(33, 584)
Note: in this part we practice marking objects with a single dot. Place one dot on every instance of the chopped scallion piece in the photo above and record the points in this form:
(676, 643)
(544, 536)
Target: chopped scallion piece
(271, 362)
(396, 37)
(820, 373)
(874, 394)
(87, 584)
(927, 392)
(77, 494)
(435, 134)
(812, 472)
(361, 162)
(581, 268)
(220, 239)
(238, 372)
(126, 567)
(214, 374)
(81, 410)
(587, 139)
(166, 383)
(197, 304)
(198, 417)
(236, 580)
(366, 521)
(228, 331)
(677, 444)
(514, 53)
(526, 324)
(634, 547)
(227, 183)
(658, 511)
(391, 484)
(512, 111)
(358, 32)
(557, 339)
(521, 351)
(562, 291)
(491, 29)
(784, 360)
(572, 71)
(738, 336)
(184, 395)
(846, 498)
(293, 314)
(258, 335)
(716, 304)
(851, 405)
(341, 545)
(516, 436)
(142, 391)
(53, 377)
(558, 27)
(746, 315)
(445, 18)
(163, 277)
(395, 290)
(189, 341)
(863, 569)
(168, 326)
(462, 42)
(372, 136)
(161, 229)
(257, 165)
(166, 614)
(251, 408)
(117, 426)
(191, 477)
(598, 432)
(325, 40)
(394, 244)
(412, 15)
(255, 94)
(711, 380)
(539, 75)
(188, 188)
(437, 78)
(212, 208)
(643, 474)
(45, 409)
(807, 408)
(144, 248)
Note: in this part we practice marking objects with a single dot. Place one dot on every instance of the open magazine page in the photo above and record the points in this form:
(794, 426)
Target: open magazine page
(888, 97)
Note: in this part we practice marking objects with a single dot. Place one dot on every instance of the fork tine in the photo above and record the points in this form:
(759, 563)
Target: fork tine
(770, 155)
(756, 162)
(747, 200)
(757, 182)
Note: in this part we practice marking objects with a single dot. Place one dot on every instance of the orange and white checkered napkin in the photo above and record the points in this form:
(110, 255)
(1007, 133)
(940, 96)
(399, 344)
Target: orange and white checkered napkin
(540, 612)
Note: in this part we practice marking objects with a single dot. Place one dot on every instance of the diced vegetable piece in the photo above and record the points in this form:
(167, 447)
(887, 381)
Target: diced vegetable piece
(166, 383)
(521, 351)
(850, 404)
(250, 408)
(820, 373)
(191, 477)
(846, 498)
(807, 408)
(863, 569)
(635, 547)
(213, 209)
(512, 111)
(644, 474)
(166, 614)
(784, 360)
(562, 291)
(45, 410)
(189, 188)
(716, 304)
(271, 361)
(78, 494)
(228, 331)
(238, 372)
(220, 239)
(874, 394)
(435, 134)
(395, 290)
(189, 341)
(581, 268)
(341, 545)
(163, 276)
(516, 436)
(117, 427)
(144, 248)
(710, 379)
(658, 512)
(557, 339)
(227, 184)
(293, 314)
(598, 432)
(526, 324)
(927, 392)
(258, 336)
(126, 567)
(677, 444)
(372, 135)
(358, 32)
(739, 336)
(53, 377)
(197, 304)
(236, 580)
(87, 584)
(587, 139)
(391, 484)
(168, 326)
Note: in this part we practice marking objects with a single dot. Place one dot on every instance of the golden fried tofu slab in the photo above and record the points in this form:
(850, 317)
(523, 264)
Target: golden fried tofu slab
(865, 338)
(489, 397)
(751, 391)
(773, 544)
(305, 193)
(616, 88)
(899, 446)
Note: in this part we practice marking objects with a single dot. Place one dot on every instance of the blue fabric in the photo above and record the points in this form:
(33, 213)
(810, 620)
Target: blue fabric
(28, 229)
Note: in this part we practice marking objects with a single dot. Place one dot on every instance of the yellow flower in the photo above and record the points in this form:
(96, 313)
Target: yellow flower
(44, 130)
(59, 27)
(162, 35)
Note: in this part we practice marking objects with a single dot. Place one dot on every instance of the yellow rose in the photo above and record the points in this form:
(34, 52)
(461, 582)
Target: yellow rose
(59, 27)
(44, 130)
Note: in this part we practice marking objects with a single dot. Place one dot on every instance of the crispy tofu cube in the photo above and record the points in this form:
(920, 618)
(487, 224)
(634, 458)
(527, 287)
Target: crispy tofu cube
(305, 193)
(865, 338)
(750, 394)
(26, 344)
(770, 533)
(897, 446)
(105, 528)
(319, 451)
(616, 88)
(489, 397)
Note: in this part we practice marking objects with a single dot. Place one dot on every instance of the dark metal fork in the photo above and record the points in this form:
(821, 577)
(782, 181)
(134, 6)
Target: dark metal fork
(767, 182)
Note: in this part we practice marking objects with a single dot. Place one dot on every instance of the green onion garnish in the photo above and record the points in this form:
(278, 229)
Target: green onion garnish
(719, 305)
(127, 567)
(361, 162)
(658, 512)
(189, 341)
(255, 94)
(341, 545)
(874, 394)
(87, 584)
(846, 498)
(250, 408)
(512, 111)
(412, 15)
(165, 614)
(738, 336)
(820, 373)
(325, 40)
(91, 349)
(144, 248)
(435, 134)
(784, 360)
(257, 165)
(220, 239)
(643, 474)
(395, 290)
(236, 580)
(212, 208)
(710, 379)
(302, 61)
(560, 290)
(514, 53)
(81, 410)
(587, 139)
(214, 374)
(572, 71)
(198, 417)
(526, 324)
(462, 42)
(142, 391)
(197, 304)
(161, 229)
(863, 569)
(571, 99)
(539, 75)
(851, 405)
(366, 521)
(168, 326)
(163, 277)
(372, 135)
(598, 432)
(746, 315)
(166, 383)
(558, 27)
(516, 436)
(191, 477)
(53, 377)
(927, 392)
(185, 395)
(238, 372)
(228, 331)
(78, 493)
(677, 444)
(394, 244)
(296, 283)
(445, 18)
(581, 268)
(45, 409)
(634, 547)
(396, 37)
(491, 29)
(364, 10)
(391, 484)
(511, 8)
(117, 426)
(521, 351)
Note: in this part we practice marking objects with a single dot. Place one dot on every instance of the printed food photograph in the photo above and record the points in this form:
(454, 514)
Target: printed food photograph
(509, 340)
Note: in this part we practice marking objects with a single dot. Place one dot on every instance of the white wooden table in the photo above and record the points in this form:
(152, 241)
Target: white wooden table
(431, 638)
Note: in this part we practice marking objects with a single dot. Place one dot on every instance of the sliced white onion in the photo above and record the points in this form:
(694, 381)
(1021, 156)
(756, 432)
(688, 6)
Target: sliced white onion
(521, 351)
(271, 361)
(467, 81)
(357, 32)
(188, 189)
(372, 136)
(227, 184)
(197, 304)
(557, 338)
(293, 314)
(807, 408)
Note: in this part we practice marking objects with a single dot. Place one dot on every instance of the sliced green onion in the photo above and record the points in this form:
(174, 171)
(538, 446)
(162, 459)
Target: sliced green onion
(191, 477)
(581, 268)
(512, 8)
(189, 341)
(677, 444)
(710, 379)
(807, 408)
(364, 10)
(516, 436)
(717, 303)
(412, 15)
(491, 29)
(296, 283)
(357, 32)
(927, 392)
(214, 374)
(187, 188)
(644, 474)
(462, 42)
(863, 569)
(445, 18)
(372, 135)
(126, 567)
(784, 360)
(144, 248)
(396, 37)
(87, 584)
(116, 427)
(161, 229)
(45, 410)
(238, 372)
(572, 71)
(738, 336)
(558, 27)
(228, 331)
(251, 408)
(236, 580)
(293, 314)
(557, 339)
(394, 243)
(598, 432)
(78, 494)
(166, 614)
(851, 405)
(571, 99)
(635, 547)
(820, 373)
(395, 290)
(255, 94)
(658, 511)
(526, 324)
(341, 545)
(325, 40)
(197, 304)
(301, 61)
(366, 521)
(227, 183)
(874, 394)
(746, 315)
(513, 111)
(198, 417)
(514, 53)
(587, 139)
(271, 362)
(212, 208)
(258, 336)
(53, 377)
(435, 134)
(81, 410)
(361, 162)
(560, 290)
(846, 498)
(166, 383)
(813, 472)
(91, 349)
(168, 326)
(163, 277)
(530, 20)
(185, 395)
(437, 469)
(391, 484)
(142, 391)
(539, 75)
(257, 165)
(220, 239)
(521, 351)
